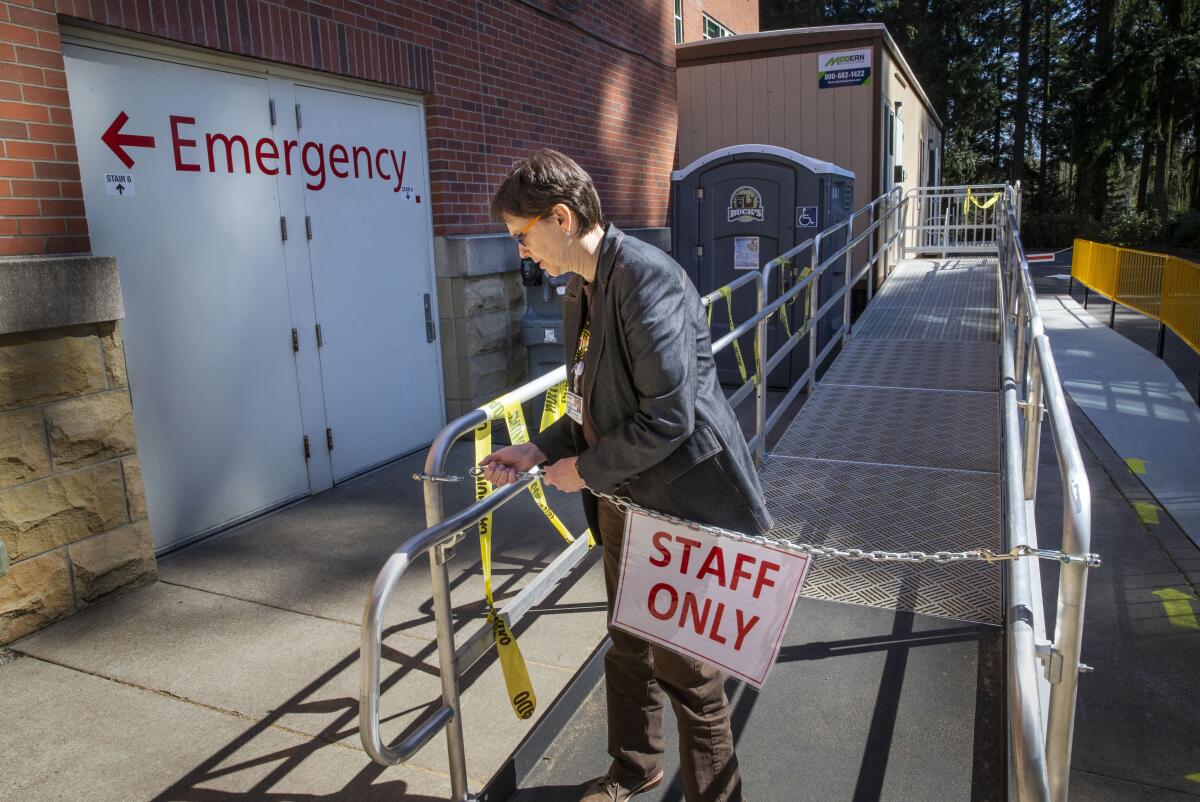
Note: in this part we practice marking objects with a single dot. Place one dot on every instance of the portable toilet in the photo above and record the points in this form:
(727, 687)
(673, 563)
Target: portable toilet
(737, 208)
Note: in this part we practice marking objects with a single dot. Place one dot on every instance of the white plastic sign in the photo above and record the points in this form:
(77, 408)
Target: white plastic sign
(724, 601)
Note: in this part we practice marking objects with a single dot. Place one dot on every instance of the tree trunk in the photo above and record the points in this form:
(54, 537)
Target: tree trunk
(1091, 185)
(1002, 49)
(1195, 196)
(1044, 179)
(1020, 111)
(1173, 13)
(1144, 170)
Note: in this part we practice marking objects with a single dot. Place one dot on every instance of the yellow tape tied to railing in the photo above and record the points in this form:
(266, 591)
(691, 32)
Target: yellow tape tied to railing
(971, 199)
(512, 662)
(808, 310)
(727, 294)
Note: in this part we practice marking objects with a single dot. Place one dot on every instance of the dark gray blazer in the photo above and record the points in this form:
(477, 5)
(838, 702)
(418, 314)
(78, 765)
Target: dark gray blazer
(667, 438)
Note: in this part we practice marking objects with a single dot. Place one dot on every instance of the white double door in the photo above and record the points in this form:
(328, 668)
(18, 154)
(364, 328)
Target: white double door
(223, 311)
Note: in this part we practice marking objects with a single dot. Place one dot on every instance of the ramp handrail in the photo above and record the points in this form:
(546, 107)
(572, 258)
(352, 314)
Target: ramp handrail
(1042, 708)
(442, 533)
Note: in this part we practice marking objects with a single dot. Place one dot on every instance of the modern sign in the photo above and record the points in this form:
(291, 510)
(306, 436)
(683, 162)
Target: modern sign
(844, 68)
(745, 253)
(724, 601)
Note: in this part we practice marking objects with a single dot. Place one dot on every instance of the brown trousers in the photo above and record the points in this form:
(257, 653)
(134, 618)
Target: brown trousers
(637, 674)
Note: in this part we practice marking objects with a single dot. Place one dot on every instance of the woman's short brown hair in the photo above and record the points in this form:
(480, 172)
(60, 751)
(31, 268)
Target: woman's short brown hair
(536, 184)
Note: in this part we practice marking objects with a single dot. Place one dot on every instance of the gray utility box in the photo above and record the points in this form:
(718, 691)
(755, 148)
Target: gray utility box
(542, 324)
(736, 209)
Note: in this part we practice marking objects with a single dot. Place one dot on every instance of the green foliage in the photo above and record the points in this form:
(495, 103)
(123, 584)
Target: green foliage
(1183, 231)
(1057, 230)
(1131, 229)
(1109, 80)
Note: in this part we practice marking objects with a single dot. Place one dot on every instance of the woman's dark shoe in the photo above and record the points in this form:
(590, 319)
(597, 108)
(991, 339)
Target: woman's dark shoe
(610, 789)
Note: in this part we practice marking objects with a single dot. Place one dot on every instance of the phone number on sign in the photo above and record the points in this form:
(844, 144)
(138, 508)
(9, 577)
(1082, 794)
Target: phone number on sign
(845, 75)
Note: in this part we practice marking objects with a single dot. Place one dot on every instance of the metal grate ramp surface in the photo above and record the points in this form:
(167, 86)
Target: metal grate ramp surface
(899, 448)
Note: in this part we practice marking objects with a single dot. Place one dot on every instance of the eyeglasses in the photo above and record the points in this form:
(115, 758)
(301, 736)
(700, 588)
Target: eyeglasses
(520, 235)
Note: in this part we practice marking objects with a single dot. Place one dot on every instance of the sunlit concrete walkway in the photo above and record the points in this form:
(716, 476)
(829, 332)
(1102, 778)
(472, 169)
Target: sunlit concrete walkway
(236, 676)
(1136, 403)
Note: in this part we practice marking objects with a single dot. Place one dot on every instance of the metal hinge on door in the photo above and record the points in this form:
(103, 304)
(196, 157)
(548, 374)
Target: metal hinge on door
(699, 193)
(320, 339)
(299, 121)
(699, 251)
(307, 450)
(308, 226)
(430, 331)
(271, 108)
(283, 228)
(329, 439)
(295, 341)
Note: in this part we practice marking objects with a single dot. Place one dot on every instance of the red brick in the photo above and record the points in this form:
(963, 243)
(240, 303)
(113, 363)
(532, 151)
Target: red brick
(71, 189)
(68, 245)
(10, 91)
(13, 168)
(51, 133)
(43, 20)
(46, 95)
(13, 246)
(61, 208)
(8, 227)
(18, 35)
(66, 153)
(77, 226)
(60, 116)
(24, 111)
(59, 171)
(19, 207)
(36, 189)
(42, 226)
(17, 149)
(55, 77)
(38, 57)
(19, 73)
(49, 40)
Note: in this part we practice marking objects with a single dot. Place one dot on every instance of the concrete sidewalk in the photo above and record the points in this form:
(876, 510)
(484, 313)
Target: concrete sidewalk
(1136, 403)
(236, 675)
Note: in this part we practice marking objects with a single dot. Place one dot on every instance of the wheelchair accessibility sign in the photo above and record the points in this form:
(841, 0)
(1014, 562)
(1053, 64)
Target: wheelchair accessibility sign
(806, 217)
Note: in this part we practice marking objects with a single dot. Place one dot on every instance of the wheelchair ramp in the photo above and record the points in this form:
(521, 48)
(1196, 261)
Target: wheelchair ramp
(890, 682)
(899, 448)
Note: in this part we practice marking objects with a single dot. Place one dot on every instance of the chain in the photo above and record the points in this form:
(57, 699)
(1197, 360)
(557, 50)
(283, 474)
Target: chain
(626, 505)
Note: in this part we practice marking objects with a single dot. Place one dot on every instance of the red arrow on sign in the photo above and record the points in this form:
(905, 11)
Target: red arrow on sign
(117, 142)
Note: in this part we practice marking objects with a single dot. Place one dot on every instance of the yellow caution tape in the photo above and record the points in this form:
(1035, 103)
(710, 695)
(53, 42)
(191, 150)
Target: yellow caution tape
(512, 662)
(555, 406)
(1136, 465)
(508, 407)
(985, 205)
(783, 310)
(727, 294)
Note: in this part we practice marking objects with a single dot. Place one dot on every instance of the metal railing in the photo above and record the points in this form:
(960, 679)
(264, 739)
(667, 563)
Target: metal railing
(1041, 703)
(955, 220)
(1165, 288)
(883, 231)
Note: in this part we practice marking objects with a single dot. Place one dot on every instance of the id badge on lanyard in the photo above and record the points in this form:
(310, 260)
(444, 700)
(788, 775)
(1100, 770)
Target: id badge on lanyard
(575, 391)
(574, 399)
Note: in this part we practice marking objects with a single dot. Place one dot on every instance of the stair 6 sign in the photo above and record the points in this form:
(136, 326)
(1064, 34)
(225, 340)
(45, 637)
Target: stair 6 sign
(724, 601)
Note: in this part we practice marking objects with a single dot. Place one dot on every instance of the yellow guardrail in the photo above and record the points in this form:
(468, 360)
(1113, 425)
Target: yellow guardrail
(1159, 286)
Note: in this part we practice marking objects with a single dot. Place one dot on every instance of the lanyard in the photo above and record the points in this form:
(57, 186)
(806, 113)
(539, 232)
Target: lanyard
(585, 337)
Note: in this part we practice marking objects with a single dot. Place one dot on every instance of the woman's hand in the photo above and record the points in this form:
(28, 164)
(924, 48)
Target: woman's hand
(501, 467)
(564, 475)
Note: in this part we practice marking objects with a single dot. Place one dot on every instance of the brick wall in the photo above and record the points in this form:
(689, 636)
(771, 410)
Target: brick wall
(739, 16)
(500, 76)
